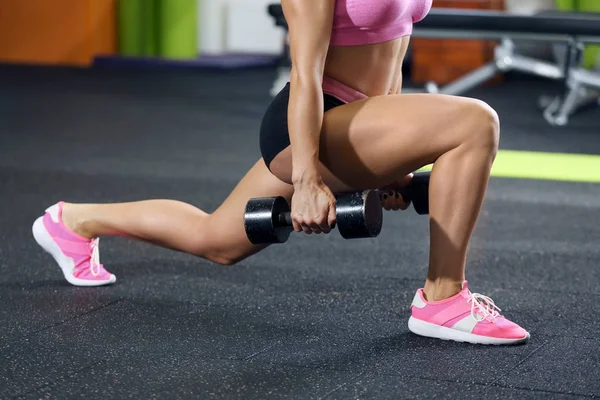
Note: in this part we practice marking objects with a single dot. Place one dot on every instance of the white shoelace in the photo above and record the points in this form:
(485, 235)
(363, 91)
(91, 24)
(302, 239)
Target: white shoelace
(483, 307)
(95, 258)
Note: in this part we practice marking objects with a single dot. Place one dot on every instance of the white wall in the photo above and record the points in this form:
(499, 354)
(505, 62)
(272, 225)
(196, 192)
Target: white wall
(237, 26)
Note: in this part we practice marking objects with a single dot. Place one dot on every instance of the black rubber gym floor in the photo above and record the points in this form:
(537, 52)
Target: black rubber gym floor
(319, 317)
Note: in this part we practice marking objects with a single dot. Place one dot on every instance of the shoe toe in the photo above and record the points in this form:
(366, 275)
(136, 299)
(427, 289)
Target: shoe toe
(501, 328)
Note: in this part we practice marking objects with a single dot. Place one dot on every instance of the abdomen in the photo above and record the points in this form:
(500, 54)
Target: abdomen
(371, 69)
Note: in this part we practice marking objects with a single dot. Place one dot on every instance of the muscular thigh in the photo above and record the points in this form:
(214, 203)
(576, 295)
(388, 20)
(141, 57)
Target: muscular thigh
(373, 142)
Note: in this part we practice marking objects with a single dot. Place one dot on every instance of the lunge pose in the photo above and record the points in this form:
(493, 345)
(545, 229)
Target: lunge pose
(340, 124)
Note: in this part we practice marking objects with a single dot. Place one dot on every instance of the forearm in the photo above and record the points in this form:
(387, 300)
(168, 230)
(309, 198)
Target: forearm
(398, 88)
(305, 120)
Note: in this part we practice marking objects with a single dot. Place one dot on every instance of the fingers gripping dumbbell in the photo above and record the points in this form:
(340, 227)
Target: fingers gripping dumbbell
(417, 192)
(267, 220)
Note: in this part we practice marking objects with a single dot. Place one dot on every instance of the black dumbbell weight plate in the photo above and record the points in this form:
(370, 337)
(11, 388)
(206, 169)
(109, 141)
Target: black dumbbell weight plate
(420, 192)
(359, 215)
(262, 220)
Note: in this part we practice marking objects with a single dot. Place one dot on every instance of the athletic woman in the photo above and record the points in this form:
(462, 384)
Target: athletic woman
(340, 124)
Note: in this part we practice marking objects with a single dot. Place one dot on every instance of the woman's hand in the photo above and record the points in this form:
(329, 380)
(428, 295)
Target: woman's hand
(313, 207)
(391, 199)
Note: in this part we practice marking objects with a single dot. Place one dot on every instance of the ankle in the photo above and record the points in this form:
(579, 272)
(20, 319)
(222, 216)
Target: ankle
(74, 218)
(441, 289)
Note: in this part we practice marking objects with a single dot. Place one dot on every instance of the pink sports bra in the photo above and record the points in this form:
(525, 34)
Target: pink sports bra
(360, 22)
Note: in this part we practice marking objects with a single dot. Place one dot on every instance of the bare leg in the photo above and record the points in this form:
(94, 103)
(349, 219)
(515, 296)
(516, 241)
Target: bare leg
(369, 143)
(219, 237)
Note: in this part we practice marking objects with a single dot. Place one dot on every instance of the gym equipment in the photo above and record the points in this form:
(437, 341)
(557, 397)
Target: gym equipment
(178, 30)
(417, 192)
(276, 11)
(267, 220)
(151, 28)
(573, 29)
(137, 28)
(285, 62)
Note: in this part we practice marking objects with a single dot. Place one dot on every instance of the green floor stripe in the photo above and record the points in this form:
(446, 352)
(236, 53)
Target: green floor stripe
(547, 166)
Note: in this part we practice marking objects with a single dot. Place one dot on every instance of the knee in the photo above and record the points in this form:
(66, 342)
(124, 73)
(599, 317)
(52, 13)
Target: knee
(228, 254)
(486, 123)
(210, 243)
(224, 259)
(217, 253)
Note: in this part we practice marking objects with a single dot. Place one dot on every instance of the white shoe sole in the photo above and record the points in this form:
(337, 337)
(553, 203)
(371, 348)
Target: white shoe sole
(427, 329)
(43, 238)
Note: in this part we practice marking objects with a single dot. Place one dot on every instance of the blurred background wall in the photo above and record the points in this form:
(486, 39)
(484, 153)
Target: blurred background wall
(237, 26)
(57, 31)
(73, 32)
(76, 32)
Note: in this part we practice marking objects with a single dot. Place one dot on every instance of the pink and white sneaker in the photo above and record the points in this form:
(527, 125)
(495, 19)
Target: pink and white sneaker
(78, 257)
(464, 317)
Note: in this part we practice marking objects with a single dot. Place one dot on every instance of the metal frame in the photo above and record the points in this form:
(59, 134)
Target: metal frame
(505, 59)
(580, 86)
(583, 90)
(430, 33)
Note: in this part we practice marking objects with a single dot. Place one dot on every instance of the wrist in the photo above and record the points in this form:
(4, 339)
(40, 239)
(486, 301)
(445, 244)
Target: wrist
(307, 175)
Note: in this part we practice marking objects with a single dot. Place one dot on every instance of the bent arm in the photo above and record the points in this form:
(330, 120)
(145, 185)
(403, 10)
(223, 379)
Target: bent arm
(310, 23)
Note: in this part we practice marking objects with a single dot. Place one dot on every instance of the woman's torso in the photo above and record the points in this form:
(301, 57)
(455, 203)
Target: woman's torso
(374, 69)
(369, 42)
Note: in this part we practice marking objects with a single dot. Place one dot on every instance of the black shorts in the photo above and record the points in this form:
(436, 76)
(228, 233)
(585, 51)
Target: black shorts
(274, 134)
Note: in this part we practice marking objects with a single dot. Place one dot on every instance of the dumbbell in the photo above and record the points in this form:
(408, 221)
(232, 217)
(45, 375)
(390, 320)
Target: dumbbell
(417, 192)
(267, 220)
